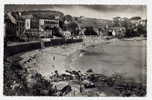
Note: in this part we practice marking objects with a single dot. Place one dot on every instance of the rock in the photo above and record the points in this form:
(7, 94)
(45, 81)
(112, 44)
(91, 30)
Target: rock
(74, 92)
(91, 92)
(60, 85)
(44, 92)
(66, 90)
(102, 94)
(88, 84)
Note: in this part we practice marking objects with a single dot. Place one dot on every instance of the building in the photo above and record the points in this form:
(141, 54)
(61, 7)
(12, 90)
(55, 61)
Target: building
(119, 31)
(31, 25)
(14, 25)
(143, 22)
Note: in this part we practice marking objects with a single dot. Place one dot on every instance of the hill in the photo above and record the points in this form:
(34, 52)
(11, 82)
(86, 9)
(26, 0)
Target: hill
(85, 22)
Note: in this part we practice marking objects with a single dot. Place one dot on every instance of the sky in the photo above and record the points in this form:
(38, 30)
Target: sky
(92, 11)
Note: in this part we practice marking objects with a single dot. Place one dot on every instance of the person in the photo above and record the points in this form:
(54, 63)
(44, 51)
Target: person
(113, 33)
(42, 44)
(99, 32)
(53, 57)
(81, 88)
(40, 39)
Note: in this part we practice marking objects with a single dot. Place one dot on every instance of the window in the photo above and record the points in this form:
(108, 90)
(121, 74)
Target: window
(34, 24)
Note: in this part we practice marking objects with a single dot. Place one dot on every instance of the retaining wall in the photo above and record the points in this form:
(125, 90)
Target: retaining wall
(11, 50)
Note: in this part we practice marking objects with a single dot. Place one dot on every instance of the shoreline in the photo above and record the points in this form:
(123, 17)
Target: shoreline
(55, 56)
(50, 59)
(42, 61)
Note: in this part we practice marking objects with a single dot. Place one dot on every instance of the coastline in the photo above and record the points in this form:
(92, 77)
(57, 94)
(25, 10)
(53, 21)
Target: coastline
(59, 58)
(48, 60)
(45, 62)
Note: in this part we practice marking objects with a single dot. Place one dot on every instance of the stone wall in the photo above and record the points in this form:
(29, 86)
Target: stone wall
(19, 48)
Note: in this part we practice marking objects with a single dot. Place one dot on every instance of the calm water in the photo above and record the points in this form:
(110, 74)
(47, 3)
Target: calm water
(125, 57)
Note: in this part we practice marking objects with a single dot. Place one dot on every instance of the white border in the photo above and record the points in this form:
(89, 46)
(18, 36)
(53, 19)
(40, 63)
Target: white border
(132, 2)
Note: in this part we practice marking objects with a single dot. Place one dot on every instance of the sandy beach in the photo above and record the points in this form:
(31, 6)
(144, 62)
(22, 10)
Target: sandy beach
(48, 60)
(72, 57)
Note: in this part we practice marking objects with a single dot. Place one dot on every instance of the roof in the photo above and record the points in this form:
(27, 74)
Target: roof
(11, 18)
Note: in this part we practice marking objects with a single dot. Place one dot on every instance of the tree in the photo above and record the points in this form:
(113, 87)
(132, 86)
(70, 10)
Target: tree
(141, 30)
(135, 18)
(116, 21)
(68, 18)
(62, 20)
(73, 28)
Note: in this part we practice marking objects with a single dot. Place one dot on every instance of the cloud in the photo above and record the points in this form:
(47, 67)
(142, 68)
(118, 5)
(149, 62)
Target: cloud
(96, 11)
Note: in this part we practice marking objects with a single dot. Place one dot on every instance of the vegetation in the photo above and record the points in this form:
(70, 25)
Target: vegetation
(17, 81)
(21, 82)
(90, 31)
(132, 29)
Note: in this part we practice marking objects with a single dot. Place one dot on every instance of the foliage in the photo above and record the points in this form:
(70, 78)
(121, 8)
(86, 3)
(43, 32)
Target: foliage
(132, 29)
(125, 86)
(16, 81)
(90, 31)
(135, 18)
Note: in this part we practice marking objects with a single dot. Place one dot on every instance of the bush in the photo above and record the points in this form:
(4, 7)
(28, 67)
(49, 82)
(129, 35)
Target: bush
(90, 31)
(16, 83)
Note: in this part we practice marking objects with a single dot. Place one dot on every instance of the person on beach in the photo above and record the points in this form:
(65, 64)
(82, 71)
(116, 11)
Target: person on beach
(113, 33)
(53, 57)
(42, 44)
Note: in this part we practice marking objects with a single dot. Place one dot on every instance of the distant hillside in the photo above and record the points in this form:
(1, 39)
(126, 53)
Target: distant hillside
(42, 12)
(84, 22)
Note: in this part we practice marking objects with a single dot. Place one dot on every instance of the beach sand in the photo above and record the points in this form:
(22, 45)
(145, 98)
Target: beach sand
(67, 57)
